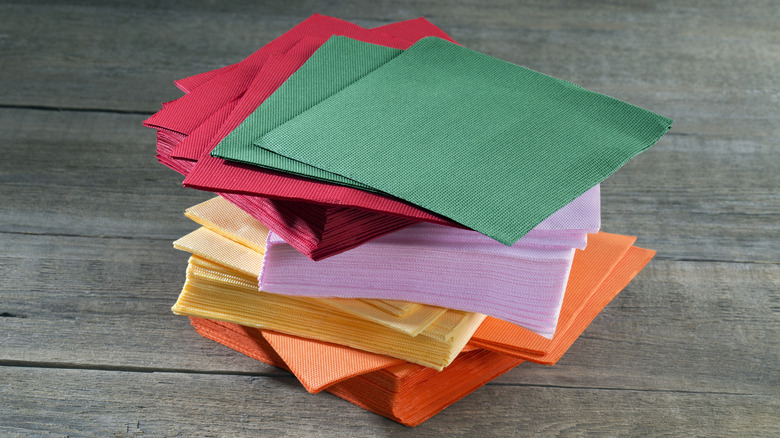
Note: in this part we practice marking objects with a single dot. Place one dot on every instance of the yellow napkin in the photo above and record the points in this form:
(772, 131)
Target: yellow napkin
(212, 246)
(219, 292)
(225, 218)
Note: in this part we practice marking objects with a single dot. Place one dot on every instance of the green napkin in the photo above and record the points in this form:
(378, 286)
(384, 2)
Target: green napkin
(336, 64)
(486, 143)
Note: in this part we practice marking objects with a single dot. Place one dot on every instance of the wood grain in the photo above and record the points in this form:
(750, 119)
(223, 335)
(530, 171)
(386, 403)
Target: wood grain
(116, 403)
(711, 68)
(82, 302)
(88, 274)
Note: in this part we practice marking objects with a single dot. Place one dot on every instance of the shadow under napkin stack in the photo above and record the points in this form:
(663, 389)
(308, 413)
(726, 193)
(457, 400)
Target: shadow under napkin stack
(400, 219)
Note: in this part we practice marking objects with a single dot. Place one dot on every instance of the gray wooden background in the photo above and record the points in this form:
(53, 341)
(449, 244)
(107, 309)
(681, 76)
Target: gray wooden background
(88, 345)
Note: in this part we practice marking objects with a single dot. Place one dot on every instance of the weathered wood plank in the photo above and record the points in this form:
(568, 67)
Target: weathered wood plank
(699, 195)
(106, 303)
(101, 302)
(105, 403)
(91, 174)
(94, 174)
(711, 68)
(680, 326)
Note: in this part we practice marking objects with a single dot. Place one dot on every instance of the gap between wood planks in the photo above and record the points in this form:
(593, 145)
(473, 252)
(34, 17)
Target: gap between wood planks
(101, 236)
(283, 374)
(81, 110)
(146, 113)
(131, 369)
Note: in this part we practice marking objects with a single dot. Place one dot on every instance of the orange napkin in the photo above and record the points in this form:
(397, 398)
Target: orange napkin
(411, 394)
(598, 274)
(407, 393)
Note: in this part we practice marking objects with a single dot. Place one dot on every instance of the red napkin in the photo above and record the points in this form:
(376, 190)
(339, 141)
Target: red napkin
(187, 113)
(189, 127)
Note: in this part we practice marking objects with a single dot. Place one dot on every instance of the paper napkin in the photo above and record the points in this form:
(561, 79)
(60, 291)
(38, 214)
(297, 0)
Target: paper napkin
(489, 144)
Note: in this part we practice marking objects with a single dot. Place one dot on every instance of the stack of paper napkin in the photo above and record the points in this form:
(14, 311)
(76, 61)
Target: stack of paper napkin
(400, 219)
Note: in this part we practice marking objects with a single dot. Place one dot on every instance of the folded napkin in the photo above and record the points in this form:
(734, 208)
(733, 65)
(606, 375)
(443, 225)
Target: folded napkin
(266, 81)
(407, 393)
(321, 76)
(222, 283)
(411, 394)
(436, 265)
(338, 63)
(598, 274)
(546, 257)
(490, 145)
(214, 252)
(409, 30)
(319, 231)
(220, 216)
(207, 113)
(237, 237)
(237, 241)
(226, 292)
(211, 291)
(218, 100)
(185, 114)
(316, 231)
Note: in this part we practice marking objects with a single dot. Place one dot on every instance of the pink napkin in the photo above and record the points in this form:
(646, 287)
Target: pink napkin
(437, 265)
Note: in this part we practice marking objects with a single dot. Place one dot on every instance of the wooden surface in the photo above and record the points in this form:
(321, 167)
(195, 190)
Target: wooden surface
(89, 347)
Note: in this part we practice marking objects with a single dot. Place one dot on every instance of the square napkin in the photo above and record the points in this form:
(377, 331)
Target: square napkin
(491, 145)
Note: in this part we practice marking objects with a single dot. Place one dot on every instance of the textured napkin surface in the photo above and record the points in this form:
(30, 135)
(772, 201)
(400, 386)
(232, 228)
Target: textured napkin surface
(210, 292)
(337, 64)
(220, 216)
(316, 230)
(236, 242)
(216, 175)
(410, 30)
(185, 114)
(489, 144)
(222, 284)
(436, 265)
(589, 269)
(245, 238)
(311, 239)
(585, 302)
(406, 393)
(409, 393)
